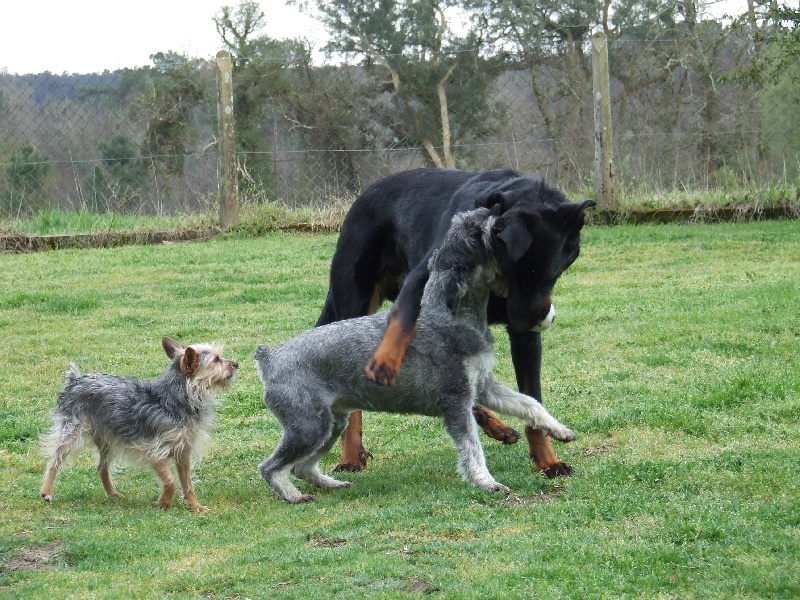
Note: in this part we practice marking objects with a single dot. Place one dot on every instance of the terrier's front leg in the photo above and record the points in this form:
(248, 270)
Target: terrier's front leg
(168, 492)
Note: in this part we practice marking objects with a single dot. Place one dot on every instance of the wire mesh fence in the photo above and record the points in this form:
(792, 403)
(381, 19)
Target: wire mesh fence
(144, 140)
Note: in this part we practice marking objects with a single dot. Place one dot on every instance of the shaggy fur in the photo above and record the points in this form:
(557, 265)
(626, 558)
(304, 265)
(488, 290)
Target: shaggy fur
(315, 380)
(142, 421)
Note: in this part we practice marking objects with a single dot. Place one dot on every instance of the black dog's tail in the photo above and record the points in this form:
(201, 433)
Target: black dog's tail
(328, 314)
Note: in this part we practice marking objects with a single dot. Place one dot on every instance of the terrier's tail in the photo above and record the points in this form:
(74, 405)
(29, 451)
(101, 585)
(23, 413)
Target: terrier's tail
(72, 374)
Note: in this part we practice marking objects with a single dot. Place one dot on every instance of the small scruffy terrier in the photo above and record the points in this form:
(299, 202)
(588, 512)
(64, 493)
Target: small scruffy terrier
(143, 421)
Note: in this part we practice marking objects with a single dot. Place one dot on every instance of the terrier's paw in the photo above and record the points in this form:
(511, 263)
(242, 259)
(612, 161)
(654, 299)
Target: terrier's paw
(47, 497)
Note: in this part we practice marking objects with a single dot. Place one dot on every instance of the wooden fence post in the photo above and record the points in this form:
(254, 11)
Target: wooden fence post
(227, 172)
(603, 147)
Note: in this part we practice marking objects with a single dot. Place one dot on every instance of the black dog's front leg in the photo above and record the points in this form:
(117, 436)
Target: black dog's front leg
(384, 365)
(526, 354)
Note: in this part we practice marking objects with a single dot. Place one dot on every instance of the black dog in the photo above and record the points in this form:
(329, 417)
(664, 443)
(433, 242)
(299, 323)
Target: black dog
(384, 246)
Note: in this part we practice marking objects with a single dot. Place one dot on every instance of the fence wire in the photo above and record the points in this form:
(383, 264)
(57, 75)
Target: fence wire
(143, 140)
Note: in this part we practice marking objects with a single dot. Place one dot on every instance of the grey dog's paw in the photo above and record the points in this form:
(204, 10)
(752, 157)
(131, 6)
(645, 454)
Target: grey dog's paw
(563, 435)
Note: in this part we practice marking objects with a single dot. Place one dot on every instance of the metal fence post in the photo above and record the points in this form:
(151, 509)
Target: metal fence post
(227, 171)
(603, 150)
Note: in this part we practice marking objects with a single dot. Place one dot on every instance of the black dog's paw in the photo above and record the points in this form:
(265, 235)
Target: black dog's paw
(381, 373)
(557, 470)
(494, 427)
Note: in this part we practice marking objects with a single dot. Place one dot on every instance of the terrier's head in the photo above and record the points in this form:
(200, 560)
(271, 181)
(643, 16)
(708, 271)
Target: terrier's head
(202, 364)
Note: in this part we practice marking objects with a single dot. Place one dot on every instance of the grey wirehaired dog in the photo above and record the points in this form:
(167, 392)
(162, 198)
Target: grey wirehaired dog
(315, 380)
(144, 421)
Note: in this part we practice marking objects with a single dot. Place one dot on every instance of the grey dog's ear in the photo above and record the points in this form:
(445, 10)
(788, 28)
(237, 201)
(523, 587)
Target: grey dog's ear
(171, 347)
(453, 290)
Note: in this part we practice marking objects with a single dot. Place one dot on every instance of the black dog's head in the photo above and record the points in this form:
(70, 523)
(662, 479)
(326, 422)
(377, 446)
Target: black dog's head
(536, 238)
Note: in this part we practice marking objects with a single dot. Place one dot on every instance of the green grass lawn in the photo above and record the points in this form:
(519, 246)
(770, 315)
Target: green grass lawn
(675, 358)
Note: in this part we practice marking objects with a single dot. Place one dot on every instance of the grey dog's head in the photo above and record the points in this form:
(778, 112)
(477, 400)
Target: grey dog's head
(523, 250)
(466, 246)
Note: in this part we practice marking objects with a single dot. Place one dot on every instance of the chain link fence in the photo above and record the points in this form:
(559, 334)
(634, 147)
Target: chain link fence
(144, 140)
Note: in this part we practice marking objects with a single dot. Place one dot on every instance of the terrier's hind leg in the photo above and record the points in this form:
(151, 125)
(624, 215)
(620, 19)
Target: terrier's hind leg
(103, 468)
(463, 430)
(66, 437)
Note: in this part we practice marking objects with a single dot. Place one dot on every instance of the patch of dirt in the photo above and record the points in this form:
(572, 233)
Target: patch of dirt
(34, 558)
(592, 450)
(317, 541)
(417, 586)
(22, 244)
(540, 498)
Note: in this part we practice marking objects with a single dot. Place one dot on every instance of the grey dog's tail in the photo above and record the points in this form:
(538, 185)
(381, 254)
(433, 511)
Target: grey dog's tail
(262, 353)
(262, 359)
(72, 374)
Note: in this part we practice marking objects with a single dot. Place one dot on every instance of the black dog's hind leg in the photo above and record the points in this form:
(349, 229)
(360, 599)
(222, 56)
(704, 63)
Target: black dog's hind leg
(526, 354)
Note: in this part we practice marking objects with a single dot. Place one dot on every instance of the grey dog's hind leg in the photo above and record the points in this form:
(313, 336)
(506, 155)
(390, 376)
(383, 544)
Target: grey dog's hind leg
(308, 469)
(461, 427)
(303, 437)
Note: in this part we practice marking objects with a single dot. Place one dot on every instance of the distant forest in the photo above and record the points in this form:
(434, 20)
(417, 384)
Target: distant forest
(697, 104)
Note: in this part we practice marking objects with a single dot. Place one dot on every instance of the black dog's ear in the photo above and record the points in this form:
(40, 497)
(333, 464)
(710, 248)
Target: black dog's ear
(493, 200)
(572, 212)
(514, 231)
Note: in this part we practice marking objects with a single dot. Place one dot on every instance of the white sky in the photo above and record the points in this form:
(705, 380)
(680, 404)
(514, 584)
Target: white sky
(85, 36)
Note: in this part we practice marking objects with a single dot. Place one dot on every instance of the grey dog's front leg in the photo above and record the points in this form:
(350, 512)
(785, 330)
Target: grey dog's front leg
(504, 400)
(461, 427)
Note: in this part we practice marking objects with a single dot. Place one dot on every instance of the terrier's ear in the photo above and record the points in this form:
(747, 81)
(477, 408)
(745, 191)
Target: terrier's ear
(189, 362)
(171, 347)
